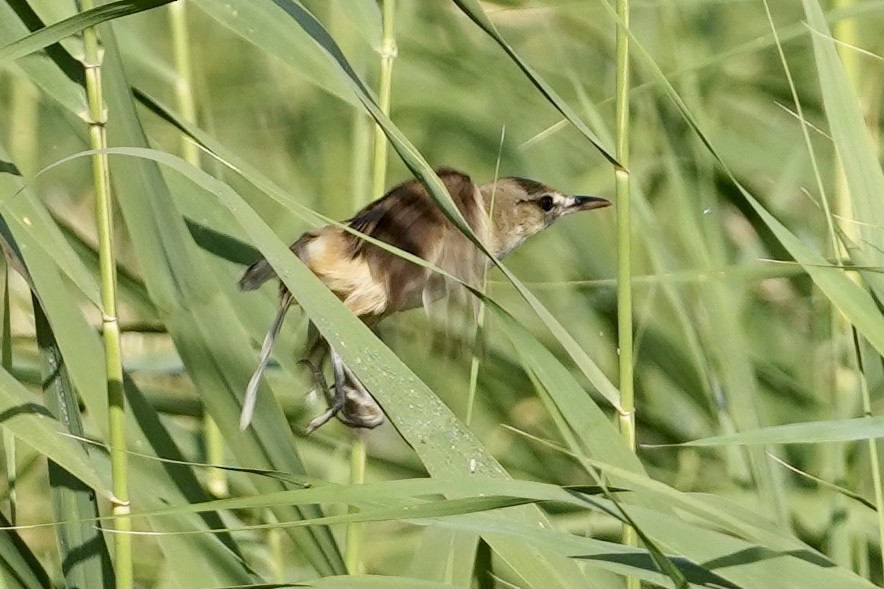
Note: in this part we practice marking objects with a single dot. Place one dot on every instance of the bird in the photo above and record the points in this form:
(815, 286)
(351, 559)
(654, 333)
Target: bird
(373, 282)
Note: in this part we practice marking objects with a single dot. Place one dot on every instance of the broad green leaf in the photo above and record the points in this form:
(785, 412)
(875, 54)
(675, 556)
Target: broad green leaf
(592, 427)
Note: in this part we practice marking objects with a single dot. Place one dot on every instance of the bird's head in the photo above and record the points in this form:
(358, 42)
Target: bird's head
(520, 208)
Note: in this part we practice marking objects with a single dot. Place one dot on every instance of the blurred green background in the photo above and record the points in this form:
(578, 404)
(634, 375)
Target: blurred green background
(731, 333)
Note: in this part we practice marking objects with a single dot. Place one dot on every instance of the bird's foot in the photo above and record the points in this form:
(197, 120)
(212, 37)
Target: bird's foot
(360, 408)
(325, 416)
(350, 402)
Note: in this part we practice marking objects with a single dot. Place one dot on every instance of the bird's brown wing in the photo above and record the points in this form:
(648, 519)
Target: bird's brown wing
(409, 219)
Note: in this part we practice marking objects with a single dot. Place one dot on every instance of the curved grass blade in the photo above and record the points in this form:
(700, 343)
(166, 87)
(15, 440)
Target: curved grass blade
(473, 10)
(54, 76)
(372, 582)
(814, 432)
(858, 153)
(824, 483)
(70, 26)
(25, 217)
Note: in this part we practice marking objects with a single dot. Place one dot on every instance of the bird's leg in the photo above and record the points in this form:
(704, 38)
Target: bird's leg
(338, 398)
(314, 354)
(319, 382)
(349, 400)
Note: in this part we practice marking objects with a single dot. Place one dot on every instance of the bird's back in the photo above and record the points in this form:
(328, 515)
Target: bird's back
(372, 281)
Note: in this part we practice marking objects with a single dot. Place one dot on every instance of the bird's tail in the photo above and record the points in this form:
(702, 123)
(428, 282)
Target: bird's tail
(256, 275)
(248, 407)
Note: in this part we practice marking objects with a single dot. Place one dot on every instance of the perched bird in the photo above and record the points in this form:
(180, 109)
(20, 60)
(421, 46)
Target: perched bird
(373, 282)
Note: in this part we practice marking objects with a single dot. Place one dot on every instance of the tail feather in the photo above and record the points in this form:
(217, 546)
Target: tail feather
(251, 396)
(257, 274)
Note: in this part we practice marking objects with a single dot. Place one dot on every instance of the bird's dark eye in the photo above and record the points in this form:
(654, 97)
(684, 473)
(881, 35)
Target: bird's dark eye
(545, 203)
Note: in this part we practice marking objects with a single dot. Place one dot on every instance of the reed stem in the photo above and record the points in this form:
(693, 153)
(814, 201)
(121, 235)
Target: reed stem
(847, 31)
(96, 120)
(185, 101)
(624, 247)
(358, 453)
(9, 443)
(388, 56)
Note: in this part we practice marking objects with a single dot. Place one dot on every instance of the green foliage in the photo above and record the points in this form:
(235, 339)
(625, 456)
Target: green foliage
(758, 375)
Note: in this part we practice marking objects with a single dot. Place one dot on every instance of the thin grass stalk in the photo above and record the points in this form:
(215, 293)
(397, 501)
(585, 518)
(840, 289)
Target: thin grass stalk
(23, 144)
(839, 531)
(476, 356)
(846, 31)
(353, 551)
(840, 545)
(358, 453)
(8, 437)
(24, 105)
(277, 554)
(97, 118)
(216, 479)
(479, 336)
(388, 56)
(873, 444)
(361, 139)
(624, 246)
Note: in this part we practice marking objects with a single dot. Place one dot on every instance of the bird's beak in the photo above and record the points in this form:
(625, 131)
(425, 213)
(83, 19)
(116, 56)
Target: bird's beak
(586, 203)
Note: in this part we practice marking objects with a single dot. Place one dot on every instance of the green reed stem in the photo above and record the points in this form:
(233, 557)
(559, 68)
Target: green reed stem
(846, 31)
(388, 55)
(479, 339)
(8, 438)
(185, 101)
(840, 532)
(96, 120)
(624, 247)
(184, 95)
(353, 552)
(878, 486)
(358, 454)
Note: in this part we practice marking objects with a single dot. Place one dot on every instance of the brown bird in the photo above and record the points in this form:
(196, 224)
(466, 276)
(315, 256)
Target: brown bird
(373, 282)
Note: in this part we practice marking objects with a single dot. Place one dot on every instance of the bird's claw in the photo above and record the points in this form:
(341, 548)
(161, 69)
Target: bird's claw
(324, 417)
(350, 402)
